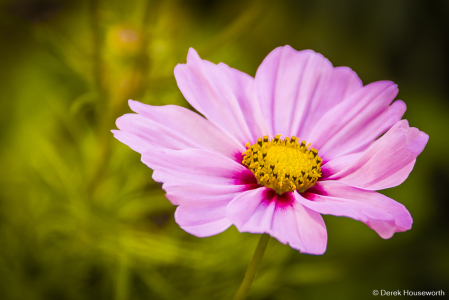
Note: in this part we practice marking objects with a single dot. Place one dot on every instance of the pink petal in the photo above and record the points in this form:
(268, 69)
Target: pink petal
(173, 127)
(223, 95)
(338, 164)
(387, 162)
(356, 122)
(296, 88)
(184, 191)
(134, 141)
(196, 165)
(263, 211)
(380, 213)
(202, 183)
(202, 220)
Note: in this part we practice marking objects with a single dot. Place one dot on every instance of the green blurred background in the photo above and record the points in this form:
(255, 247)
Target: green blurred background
(80, 216)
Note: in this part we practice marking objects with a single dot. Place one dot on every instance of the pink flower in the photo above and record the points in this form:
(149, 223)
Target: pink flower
(275, 184)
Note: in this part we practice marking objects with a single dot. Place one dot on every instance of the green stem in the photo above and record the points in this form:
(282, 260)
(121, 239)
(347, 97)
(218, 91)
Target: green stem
(252, 268)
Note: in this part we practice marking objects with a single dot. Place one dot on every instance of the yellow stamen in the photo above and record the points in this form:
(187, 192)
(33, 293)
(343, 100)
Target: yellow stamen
(283, 165)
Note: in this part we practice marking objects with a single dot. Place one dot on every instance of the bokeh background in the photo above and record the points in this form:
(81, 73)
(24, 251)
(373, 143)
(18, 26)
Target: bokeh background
(81, 217)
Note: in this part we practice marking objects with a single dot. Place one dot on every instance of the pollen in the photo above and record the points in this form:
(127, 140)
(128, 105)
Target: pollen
(283, 165)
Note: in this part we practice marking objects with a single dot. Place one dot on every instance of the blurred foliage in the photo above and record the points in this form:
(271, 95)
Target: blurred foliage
(80, 216)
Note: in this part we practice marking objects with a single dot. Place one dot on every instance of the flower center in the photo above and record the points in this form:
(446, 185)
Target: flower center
(283, 165)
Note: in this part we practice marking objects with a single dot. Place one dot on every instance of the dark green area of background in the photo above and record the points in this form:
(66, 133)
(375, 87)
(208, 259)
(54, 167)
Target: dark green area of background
(80, 216)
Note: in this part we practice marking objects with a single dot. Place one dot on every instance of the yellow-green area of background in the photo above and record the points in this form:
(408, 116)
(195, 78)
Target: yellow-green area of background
(80, 216)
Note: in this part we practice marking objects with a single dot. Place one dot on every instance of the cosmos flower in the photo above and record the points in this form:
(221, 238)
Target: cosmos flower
(274, 152)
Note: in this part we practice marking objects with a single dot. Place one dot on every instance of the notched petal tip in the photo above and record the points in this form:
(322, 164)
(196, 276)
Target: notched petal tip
(424, 138)
(133, 103)
(386, 87)
(120, 120)
(291, 51)
(192, 58)
(400, 107)
(290, 48)
(192, 55)
(402, 223)
(416, 140)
